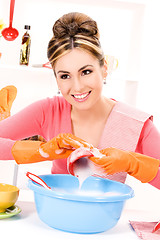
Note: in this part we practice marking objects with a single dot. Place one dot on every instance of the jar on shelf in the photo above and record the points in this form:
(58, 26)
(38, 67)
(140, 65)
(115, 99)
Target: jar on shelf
(25, 46)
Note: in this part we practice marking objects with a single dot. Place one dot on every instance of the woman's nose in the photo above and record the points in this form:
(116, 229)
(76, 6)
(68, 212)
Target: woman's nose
(77, 84)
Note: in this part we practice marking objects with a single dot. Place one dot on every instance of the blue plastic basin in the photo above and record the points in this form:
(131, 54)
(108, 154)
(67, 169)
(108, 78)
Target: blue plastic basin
(96, 209)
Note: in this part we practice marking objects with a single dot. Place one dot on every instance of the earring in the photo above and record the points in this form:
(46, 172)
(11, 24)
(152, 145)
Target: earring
(104, 81)
(58, 92)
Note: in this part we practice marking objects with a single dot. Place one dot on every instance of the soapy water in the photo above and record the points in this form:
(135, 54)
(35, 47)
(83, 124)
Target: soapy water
(97, 193)
(83, 168)
(92, 193)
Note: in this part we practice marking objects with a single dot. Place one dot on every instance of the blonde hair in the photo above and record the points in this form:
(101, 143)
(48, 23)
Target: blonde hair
(74, 30)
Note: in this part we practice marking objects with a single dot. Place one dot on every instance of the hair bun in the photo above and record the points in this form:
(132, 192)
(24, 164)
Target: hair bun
(72, 29)
(89, 28)
(75, 26)
(60, 29)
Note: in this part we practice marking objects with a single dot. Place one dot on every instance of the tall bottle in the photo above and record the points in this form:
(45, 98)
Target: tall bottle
(25, 47)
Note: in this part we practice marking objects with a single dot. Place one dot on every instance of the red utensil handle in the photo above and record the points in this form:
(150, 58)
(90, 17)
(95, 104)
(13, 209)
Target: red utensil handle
(157, 226)
(47, 65)
(12, 3)
(37, 179)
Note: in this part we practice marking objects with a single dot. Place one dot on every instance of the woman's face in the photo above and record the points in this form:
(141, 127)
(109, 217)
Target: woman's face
(79, 78)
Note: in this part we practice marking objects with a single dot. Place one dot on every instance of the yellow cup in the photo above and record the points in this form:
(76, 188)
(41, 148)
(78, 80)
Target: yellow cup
(8, 196)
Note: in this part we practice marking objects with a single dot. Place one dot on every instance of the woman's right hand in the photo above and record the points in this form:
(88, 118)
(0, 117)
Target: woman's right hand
(70, 141)
(59, 147)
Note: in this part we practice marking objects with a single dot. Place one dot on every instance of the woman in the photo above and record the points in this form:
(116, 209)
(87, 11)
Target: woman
(78, 64)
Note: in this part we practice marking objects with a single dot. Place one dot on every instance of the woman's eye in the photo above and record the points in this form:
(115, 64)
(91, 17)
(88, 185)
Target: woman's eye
(64, 76)
(86, 72)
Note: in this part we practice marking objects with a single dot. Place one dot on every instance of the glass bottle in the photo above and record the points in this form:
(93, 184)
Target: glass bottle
(25, 47)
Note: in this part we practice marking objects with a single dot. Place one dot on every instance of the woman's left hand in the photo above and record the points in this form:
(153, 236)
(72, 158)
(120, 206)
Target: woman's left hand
(140, 166)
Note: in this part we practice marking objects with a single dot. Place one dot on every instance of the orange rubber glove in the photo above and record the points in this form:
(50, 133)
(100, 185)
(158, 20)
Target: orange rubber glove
(59, 147)
(141, 167)
(70, 141)
(7, 96)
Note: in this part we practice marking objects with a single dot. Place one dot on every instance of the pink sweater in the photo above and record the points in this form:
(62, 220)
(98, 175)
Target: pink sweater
(51, 116)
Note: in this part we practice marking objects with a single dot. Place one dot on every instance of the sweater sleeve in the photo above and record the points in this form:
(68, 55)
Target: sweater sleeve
(25, 123)
(149, 144)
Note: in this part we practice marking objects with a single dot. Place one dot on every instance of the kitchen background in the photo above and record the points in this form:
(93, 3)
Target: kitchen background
(129, 31)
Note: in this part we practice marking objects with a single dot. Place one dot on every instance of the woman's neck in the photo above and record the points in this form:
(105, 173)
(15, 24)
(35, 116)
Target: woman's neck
(100, 110)
(89, 125)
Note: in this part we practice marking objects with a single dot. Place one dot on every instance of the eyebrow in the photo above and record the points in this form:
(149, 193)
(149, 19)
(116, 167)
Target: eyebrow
(61, 71)
(85, 67)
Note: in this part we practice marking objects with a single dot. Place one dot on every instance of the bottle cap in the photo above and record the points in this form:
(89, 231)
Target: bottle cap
(27, 27)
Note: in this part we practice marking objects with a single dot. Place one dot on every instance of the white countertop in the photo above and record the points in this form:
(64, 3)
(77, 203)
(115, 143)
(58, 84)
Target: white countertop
(27, 225)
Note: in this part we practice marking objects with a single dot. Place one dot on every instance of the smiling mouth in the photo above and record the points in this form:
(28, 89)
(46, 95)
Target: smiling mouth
(82, 96)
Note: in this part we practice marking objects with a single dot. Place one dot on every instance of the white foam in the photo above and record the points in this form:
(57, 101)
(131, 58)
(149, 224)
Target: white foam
(97, 153)
(59, 151)
(43, 154)
(96, 193)
(90, 193)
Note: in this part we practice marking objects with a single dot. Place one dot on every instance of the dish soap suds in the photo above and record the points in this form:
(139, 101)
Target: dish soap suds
(82, 170)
